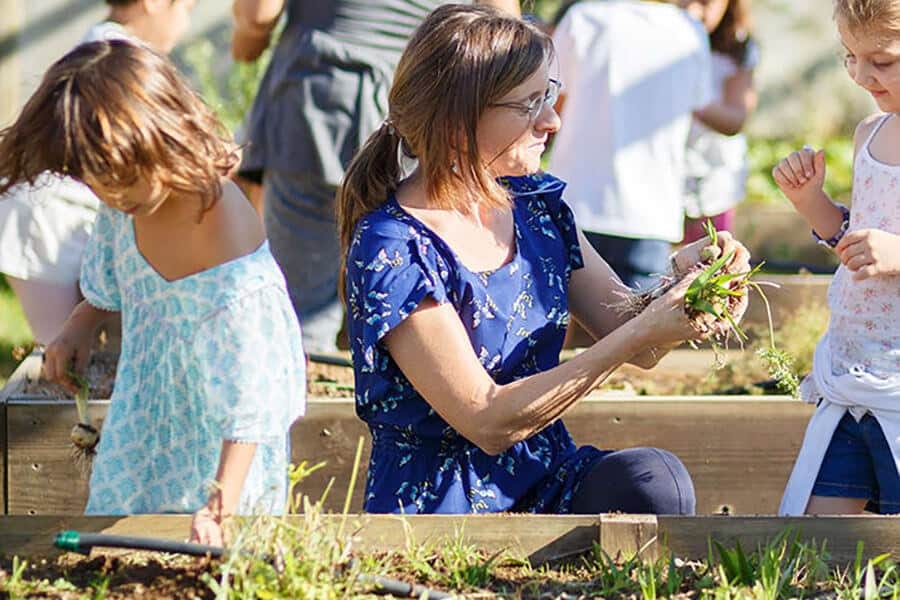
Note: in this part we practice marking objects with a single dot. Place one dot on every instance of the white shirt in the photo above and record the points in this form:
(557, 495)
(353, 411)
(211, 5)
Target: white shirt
(632, 73)
(44, 228)
(717, 163)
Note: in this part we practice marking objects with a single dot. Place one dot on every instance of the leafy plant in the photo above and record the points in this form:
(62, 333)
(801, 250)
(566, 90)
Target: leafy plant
(710, 293)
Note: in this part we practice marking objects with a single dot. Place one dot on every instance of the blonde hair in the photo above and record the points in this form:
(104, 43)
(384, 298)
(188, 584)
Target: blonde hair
(459, 61)
(869, 15)
(111, 112)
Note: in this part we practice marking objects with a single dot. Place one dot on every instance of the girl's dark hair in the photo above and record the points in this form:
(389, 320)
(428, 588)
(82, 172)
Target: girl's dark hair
(459, 61)
(112, 112)
(732, 35)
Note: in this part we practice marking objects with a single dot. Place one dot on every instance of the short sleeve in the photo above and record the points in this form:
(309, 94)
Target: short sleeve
(99, 283)
(391, 268)
(549, 215)
(254, 369)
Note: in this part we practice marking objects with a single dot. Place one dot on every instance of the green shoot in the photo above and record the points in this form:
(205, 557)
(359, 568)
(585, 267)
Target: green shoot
(81, 397)
(710, 292)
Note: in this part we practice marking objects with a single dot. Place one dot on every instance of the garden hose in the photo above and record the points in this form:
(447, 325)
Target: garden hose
(330, 359)
(74, 541)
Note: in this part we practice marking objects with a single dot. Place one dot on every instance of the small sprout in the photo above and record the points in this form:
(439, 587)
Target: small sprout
(712, 303)
(84, 436)
(710, 253)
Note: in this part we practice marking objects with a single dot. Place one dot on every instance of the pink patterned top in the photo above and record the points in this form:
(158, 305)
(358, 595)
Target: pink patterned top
(865, 315)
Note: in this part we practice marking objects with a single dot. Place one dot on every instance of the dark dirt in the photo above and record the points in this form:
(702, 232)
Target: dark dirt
(336, 381)
(135, 575)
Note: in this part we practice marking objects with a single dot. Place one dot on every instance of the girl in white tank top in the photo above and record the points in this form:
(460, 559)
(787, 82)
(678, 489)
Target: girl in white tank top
(850, 458)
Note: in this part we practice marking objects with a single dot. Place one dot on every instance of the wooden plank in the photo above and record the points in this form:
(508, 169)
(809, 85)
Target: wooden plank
(28, 370)
(739, 451)
(778, 234)
(627, 535)
(688, 537)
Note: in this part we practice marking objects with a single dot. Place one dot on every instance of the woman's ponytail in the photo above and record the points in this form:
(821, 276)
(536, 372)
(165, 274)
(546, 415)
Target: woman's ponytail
(372, 175)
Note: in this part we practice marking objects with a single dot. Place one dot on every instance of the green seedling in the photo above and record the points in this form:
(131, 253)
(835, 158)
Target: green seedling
(711, 292)
(84, 435)
(712, 301)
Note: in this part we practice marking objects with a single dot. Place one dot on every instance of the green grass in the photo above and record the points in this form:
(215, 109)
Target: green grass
(14, 331)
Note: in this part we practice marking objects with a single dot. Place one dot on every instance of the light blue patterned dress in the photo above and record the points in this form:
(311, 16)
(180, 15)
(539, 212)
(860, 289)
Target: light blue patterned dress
(516, 319)
(210, 357)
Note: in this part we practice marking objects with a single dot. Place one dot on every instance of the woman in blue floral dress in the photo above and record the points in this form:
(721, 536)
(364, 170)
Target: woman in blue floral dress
(460, 278)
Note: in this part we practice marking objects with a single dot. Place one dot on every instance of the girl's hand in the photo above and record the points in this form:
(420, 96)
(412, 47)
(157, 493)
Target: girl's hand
(68, 352)
(689, 255)
(206, 527)
(801, 175)
(869, 253)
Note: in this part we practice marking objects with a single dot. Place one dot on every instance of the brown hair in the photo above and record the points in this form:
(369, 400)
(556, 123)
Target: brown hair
(460, 60)
(869, 15)
(732, 35)
(111, 112)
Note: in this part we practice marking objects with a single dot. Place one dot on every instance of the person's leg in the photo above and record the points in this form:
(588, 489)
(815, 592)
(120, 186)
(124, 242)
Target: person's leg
(637, 480)
(301, 227)
(46, 305)
(846, 479)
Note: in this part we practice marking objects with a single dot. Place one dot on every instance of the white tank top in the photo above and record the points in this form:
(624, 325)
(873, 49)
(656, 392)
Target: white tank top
(865, 315)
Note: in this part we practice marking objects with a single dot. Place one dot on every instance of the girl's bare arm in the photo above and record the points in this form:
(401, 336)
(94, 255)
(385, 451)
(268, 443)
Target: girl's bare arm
(738, 102)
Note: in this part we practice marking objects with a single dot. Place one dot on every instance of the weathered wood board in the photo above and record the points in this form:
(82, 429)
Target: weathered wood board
(739, 450)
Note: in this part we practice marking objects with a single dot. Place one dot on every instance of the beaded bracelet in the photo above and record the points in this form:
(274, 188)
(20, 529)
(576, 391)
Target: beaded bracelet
(833, 240)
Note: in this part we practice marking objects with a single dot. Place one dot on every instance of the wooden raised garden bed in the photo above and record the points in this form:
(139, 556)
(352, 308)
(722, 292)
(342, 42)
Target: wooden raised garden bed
(738, 449)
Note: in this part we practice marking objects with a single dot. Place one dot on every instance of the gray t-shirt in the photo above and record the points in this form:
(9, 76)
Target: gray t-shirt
(326, 88)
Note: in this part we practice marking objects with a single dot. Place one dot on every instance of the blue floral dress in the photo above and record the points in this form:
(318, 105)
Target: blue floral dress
(516, 319)
(209, 357)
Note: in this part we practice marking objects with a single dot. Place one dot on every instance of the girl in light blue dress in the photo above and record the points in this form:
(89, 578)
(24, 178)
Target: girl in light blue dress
(212, 371)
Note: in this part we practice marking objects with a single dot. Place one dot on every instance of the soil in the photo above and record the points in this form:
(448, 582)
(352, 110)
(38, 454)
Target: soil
(322, 380)
(336, 381)
(133, 575)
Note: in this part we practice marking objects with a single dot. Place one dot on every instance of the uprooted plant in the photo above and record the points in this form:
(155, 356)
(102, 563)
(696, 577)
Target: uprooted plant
(715, 301)
(84, 435)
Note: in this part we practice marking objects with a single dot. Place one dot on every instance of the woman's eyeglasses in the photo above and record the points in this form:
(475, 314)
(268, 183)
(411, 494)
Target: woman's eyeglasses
(533, 108)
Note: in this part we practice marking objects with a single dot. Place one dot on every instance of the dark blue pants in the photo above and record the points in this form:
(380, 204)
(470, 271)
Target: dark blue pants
(637, 480)
(637, 262)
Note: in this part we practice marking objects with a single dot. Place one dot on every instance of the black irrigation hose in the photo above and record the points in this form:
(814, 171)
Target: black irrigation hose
(329, 359)
(75, 541)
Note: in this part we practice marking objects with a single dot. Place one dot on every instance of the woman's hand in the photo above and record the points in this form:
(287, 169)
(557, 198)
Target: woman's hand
(206, 527)
(688, 256)
(664, 321)
(801, 176)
